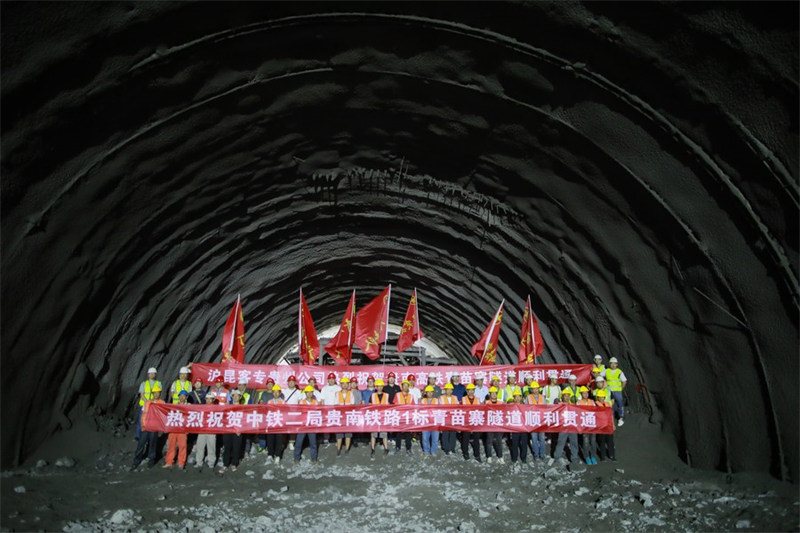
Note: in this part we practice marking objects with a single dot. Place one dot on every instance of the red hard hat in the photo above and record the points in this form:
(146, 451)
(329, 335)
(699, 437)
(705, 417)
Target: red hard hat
(391, 375)
(270, 380)
(219, 380)
(354, 380)
(371, 378)
(411, 377)
(331, 376)
(292, 378)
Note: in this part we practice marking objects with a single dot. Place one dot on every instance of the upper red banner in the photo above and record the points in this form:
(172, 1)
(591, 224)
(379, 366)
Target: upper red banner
(257, 375)
(265, 418)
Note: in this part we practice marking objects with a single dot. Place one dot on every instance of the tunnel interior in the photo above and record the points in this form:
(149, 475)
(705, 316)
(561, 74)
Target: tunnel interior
(631, 167)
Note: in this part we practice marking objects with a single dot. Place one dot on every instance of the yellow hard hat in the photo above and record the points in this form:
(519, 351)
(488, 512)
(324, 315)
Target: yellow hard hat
(517, 391)
(534, 385)
(156, 388)
(583, 389)
(567, 391)
(308, 388)
(405, 382)
(496, 378)
(276, 387)
(470, 386)
(493, 389)
(430, 388)
(600, 393)
(344, 380)
(448, 386)
(379, 382)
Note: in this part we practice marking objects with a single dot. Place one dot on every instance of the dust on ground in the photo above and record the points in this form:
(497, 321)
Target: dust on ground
(647, 489)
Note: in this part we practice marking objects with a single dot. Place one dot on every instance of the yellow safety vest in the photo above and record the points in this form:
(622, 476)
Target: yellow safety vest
(177, 388)
(612, 379)
(148, 391)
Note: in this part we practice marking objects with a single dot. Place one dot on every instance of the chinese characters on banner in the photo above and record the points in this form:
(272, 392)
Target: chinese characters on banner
(257, 375)
(264, 418)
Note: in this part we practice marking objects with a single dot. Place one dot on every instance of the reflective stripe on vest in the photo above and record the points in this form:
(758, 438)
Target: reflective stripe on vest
(384, 400)
(466, 400)
(177, 388)
(273, 401)
(341, 399)
(612, 379)
(538, 400)
(429, 401)
(312, 401)
(148, 391)
(402, 398)
(587, 401)
(448, 400)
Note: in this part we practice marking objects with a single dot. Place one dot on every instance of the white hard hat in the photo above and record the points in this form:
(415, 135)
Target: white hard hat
(456, 374)
(243, 381)
(236, 391)
(613, 360)
(183, 370)
(598, 379)
(152, 370)
(572, 376)
(211, 394)
(598, 356)
(432, 375)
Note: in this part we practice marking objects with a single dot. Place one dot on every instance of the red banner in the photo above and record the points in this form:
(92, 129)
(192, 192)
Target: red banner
(486, 347)
(263, 418)
(233, 335)
(372, 324)
(307, 341)
(256, 375)
(410, 332)
(341, 346)
(530, 342)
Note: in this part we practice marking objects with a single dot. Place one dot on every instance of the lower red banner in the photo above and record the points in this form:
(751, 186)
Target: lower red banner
(262, 418)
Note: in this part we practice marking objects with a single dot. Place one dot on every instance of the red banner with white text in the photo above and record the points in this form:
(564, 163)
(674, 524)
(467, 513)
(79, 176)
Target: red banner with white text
(256, 375)
(264, 418)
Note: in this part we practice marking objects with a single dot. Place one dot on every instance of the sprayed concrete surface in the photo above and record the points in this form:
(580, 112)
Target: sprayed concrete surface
(647, 489)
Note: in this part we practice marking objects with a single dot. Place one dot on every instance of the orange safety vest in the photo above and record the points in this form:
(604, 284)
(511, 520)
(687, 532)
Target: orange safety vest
(539, 400)
(277, 401)
(384, 400)
(429, 401)
(146, 407)
(587, 401)
(488, 401)
(403, 398)
(448, 399)
(312, 401)
(341, 399)
(466, 401)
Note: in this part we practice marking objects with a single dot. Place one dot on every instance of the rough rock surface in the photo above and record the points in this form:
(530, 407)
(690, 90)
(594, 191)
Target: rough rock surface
(159, 158)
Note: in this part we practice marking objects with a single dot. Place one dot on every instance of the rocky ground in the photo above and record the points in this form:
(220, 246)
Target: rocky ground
(79, 481)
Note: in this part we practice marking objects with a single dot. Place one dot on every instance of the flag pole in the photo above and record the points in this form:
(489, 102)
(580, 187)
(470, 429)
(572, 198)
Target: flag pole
(300, 327)
(491, 330)
(533, 334)
(350, 329)
(386, 330)
(419, 328)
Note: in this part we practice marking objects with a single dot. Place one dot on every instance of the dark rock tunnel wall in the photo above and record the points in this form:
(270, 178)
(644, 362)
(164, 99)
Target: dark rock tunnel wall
(632, 167)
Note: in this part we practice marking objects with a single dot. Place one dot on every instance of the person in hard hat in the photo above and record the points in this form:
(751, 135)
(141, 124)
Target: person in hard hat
(493, 439)
(275, 441)
(404, 397)
(551, 391)
(506, 394)
(206, 446)
(430, 439)
(437, 391)
(572, 385)
(565, 437)
(459, 389)
(369, 390)
(311, 437)
(616, 381)
(537, 439)
(472, 438)
(391, 387)
(265, 395)
(412, 386)
(519, 440)
(232, 442)
(379, 398)
(148, 441)
(600, 385)
(526, 389)
(329, 391)
(598, 363)
(605, 442)
(145, 394)
(220, 391)
(345, 396)
(494, 382)
(180, 384)
(449, 398)
(247, 439)
(177, 442)
(481, 390)
(358, 399)
(198, 395)
(588, 440)
(292, 395)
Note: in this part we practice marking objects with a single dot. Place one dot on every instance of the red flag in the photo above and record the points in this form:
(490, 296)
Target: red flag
(486, 347)
(341, 346)
(530, 341)
(307, 341)
(372, 324)
(233, 335)
(410, 332)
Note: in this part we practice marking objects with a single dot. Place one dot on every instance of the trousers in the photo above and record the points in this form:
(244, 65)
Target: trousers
(312, 443)
(493, 440)
(448, 441)
(471, 438)
(275, 443)
(573, 446)
(176, 445)
(519, 447)
(538, 444)
(206, 446)
(232, 449)
(148, 443)
(430, 441)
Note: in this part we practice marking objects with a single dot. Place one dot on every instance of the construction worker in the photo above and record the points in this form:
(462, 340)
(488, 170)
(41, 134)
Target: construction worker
(177, 440)
(206, 445)
(506, 394)
(412, 386)
(471, 437)
(379, 398)
(565, 437)
(588, 440)
(526, 389)
(437, 391)
(311, 437)
(493, 439)
(328, 394)
(459, 390)
(430, 439)
(145, 394)
(538, 443)
(404, 397)
(519, 440)
(598, 363)
(572, 384)
(494, 382)
(220, 391)
(292, 394)
(552, 392)
(358, 399)
(180, 384)
(481, 390)
(275, 441)
(366, 394)
(198, 395)
(449, 398)
(345, 396)
(616, 381)
(600, 385)
(266, 392)
(148, 440)
(232, 442)
(596, 372)
(605, 442)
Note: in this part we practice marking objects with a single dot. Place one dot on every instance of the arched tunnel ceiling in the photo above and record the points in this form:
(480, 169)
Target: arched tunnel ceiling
(632, 167)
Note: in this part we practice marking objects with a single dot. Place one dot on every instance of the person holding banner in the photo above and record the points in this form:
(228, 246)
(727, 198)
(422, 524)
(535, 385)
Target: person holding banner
(275, 441)
(345, 396)
(471, 437)
(220, 392)
(404, 397)
(232, 442)
(412, 386)
(519, 441)
(564, 436)
(494, 439)
(177, 442)
(588, 440)
(206, 446)
(481, 390)
(392, 388)
(293, 396)
(358, 399)
(145, 395)
(148, 441)
(311, 437)
(430, 439)
(379, 398)
(605, 442)
(366, 394)
(329, 391)
(538, 444)
(449, 398)
(197, 396)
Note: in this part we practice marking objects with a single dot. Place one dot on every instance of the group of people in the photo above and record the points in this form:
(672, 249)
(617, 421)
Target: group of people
(605, 389)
